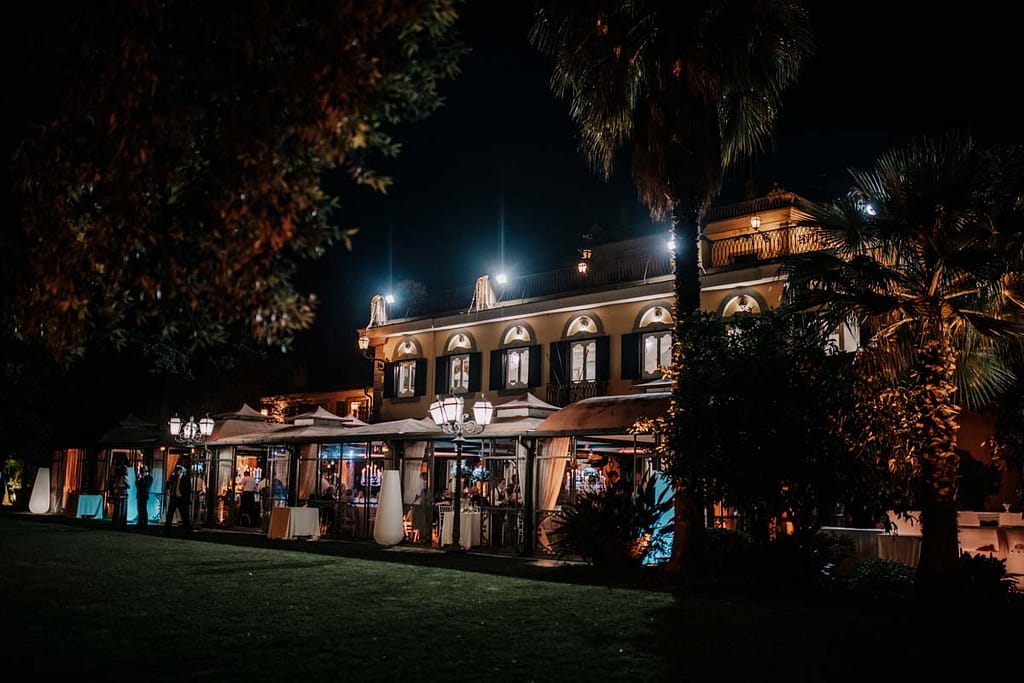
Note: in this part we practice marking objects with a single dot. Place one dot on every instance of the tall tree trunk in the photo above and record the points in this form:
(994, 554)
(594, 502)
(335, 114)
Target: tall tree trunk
(938, 568)
(688, 523)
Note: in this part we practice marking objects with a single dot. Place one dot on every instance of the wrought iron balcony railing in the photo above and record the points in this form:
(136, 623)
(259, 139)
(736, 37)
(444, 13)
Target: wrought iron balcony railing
(564, 394)
(757, 246)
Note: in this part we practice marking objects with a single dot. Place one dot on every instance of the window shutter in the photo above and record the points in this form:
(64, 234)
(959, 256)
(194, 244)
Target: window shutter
(497, 370)
(389, 380)
(535, 363)
(441, 369)
(631, 356)
(558, 372)
(420, 388)
(601, 362)
(476, 367)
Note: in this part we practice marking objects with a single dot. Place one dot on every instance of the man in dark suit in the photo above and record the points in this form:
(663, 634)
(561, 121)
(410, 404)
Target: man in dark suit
(143, 481)
(179, 489)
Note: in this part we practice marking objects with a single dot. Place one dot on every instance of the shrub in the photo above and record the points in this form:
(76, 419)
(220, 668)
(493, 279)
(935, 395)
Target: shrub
(834, 555)
(613, 529)
(984, 579)
(884, 576)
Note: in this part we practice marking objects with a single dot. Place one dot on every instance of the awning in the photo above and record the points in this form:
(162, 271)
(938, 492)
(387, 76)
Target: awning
(602, 415)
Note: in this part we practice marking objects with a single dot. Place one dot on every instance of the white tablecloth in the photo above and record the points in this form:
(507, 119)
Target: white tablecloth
(899, 548)
(286, 522)
(90, 505)
(469, 529)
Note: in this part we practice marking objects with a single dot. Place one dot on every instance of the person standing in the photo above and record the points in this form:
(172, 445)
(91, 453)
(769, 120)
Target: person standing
(248, 510)
(119, 495)
(143, 482)
(179, 488)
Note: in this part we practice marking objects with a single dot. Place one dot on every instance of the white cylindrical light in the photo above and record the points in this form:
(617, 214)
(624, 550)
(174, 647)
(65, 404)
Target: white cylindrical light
(387, 528)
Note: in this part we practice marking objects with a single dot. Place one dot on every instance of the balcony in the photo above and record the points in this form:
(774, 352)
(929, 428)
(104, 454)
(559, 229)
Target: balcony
(563, 394)
(758, 246)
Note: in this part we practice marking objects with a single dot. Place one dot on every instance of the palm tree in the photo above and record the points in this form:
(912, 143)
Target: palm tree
(685, 90)
(925, 253)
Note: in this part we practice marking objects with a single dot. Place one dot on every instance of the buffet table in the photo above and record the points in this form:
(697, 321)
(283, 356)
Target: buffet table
(294, 522)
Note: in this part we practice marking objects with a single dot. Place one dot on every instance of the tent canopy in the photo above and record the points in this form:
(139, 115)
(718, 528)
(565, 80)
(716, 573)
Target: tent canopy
(132, 432)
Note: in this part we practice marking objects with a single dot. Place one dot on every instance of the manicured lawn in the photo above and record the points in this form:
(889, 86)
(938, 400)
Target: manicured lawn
(93, 603)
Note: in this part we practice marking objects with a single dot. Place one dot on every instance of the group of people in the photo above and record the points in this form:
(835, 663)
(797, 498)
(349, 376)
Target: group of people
(179, 488)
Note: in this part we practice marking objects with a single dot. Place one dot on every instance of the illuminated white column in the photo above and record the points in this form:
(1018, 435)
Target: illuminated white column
(388, 530)
(39, 503)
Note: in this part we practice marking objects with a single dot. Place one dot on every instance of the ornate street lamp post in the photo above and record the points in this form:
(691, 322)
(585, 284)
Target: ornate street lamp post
(191, 433)
(449, 415)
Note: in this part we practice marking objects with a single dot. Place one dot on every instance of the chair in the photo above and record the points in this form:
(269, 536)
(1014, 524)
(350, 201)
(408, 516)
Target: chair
(442, 510)
(347, 523)
(412, 534)
(485, 525)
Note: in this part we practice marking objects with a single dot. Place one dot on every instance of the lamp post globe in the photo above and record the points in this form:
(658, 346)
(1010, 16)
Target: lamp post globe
(448, 414)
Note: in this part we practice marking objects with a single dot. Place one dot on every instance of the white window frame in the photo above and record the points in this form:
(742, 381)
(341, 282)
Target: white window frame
(582, 361)
(458, 374)
(405, 382)
(517, 367)
(661, 340)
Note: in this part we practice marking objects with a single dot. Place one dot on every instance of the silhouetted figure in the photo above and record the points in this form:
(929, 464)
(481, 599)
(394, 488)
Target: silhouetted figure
(143, 482)
(179, 488)
(119, 496)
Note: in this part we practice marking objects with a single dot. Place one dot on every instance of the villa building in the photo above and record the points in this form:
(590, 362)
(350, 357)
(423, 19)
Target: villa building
(568, 360)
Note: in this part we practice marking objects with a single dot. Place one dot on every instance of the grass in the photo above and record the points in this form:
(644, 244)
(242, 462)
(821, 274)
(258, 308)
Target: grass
(84, 600)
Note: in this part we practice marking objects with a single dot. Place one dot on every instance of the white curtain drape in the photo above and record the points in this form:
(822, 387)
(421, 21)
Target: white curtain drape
(307, 472)
(68, 475)
(550, 471)
(412, 484)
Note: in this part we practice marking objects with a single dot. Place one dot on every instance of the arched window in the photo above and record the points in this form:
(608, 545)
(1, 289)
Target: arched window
(517, 365)
(459, 342)
(655, 341)
(744, 303)
(406, 367)
(582, 351)
(517, 334)
(458, 371)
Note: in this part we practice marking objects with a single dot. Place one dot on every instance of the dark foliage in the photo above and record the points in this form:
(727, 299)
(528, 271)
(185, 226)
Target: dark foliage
(614, 529)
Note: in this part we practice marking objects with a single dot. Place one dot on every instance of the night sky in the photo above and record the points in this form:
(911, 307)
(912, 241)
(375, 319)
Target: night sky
(495, 175)
(496, 171)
